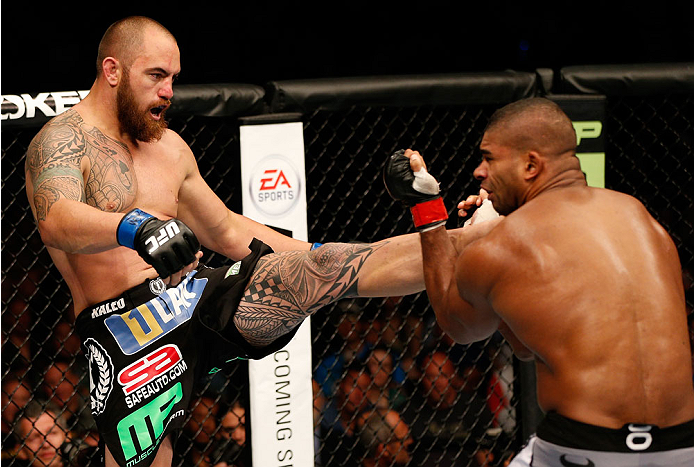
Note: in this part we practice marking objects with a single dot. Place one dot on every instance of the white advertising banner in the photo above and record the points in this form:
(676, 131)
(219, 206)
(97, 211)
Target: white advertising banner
(281, 393)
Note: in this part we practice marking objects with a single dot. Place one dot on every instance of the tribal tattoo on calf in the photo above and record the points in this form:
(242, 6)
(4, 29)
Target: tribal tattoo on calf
(289, 286)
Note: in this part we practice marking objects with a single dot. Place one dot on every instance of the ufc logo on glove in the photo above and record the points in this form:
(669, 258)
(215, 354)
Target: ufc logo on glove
(167, 245)
(166, 233)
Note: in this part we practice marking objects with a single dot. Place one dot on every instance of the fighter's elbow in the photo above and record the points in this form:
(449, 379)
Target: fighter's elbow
(53, 235)
(49, 233)
(461, 330)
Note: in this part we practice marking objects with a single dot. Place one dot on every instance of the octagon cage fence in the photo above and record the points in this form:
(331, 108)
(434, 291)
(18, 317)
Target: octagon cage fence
(462, 405)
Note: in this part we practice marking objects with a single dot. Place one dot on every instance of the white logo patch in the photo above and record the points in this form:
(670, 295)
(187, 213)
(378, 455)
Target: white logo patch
(157, 286)
(100, 375)
(233, 270)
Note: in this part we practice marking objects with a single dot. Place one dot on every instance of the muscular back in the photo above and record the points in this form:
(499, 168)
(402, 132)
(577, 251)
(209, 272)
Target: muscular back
(75, 174)
(592, 285)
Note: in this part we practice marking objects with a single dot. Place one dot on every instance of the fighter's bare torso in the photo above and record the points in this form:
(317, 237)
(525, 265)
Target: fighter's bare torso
(112, 180)
(607, 361)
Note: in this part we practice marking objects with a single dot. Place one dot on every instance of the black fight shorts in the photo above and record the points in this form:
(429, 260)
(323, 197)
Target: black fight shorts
(147, 347)
(561, 441)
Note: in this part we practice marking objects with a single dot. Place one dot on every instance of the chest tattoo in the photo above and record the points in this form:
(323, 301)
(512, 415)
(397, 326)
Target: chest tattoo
(54, 165)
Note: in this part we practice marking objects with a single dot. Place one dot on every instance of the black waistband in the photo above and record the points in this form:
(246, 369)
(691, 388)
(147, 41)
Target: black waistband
(632, 437)
(128, 300)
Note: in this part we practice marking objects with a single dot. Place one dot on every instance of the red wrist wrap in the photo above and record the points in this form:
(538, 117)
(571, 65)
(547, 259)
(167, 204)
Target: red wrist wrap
(429, 212)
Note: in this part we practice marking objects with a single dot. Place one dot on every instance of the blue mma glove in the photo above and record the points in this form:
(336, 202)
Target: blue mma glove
(168, 245)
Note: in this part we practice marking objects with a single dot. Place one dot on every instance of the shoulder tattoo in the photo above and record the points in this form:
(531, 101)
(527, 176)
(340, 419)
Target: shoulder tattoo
(54, 167)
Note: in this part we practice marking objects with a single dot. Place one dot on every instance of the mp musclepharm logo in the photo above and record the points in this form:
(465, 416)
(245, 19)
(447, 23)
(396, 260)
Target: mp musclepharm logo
(141, 431)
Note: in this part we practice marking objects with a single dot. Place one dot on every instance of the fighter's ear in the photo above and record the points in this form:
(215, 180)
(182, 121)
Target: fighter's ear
(111, 69)
(534, 164)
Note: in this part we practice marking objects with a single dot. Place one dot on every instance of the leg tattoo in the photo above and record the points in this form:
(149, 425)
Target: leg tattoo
(289, 286)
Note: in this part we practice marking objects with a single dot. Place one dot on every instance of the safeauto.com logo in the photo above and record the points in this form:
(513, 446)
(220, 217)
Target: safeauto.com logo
(275, 185)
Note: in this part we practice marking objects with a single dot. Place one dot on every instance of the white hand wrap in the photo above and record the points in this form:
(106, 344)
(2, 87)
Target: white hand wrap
(425, 183)
(485, 212)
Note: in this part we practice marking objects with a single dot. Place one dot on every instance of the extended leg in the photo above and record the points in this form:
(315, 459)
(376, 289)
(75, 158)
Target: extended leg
(286, 287)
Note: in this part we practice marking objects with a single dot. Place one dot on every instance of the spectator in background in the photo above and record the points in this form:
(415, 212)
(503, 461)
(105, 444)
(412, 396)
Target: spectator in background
(200, 429)
(16, 345)
(65, 379)
(357, 338)
(230, 440)
(340, 423)
(446, 413)
(352, 399)
(64, 387)
(65, 344)
(16, 394)
(486, 366)
(499, 381)
(18, 318)
(352, 347)
(384, 326)
(385, 438)
(41, 430)
(388, 329)
(386, 390)
(414, 335)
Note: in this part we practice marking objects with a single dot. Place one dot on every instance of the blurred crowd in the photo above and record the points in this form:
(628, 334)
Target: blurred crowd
(389, 388)
(398, 391)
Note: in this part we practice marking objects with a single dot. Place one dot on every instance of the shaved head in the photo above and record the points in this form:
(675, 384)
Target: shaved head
(124, 39)
(535, 124)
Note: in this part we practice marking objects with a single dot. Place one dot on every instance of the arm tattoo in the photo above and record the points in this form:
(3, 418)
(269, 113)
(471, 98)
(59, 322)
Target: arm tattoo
(289, 286)
(54, 167)
(110, 184)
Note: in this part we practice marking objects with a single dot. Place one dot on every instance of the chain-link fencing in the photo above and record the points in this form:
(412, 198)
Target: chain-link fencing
(438, 403)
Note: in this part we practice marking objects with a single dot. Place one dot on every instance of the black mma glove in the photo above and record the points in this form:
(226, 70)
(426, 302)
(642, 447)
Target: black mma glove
(168, 246)
(419, 191)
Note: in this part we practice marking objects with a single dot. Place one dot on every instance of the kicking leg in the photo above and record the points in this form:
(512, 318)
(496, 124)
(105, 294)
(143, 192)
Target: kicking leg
(286, 287)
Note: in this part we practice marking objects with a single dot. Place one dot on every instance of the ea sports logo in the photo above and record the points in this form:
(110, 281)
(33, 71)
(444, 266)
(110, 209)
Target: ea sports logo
(275, 185)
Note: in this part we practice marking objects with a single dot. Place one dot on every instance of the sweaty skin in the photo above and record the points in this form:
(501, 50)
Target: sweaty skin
(581, 279)
(85, 169)
(598, 300)
(84, 172)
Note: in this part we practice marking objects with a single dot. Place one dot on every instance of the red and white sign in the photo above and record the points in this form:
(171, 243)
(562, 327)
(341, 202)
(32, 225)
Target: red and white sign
(273, 174)
(275, 186)
(148, 368)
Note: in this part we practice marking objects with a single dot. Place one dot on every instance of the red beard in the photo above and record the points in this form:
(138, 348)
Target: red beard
(133, 121)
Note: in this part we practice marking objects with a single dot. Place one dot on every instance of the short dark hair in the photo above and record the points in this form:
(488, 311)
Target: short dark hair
(35, 408)
(124, 38)
(517, 108)
(535, 121)
(376, 430)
